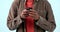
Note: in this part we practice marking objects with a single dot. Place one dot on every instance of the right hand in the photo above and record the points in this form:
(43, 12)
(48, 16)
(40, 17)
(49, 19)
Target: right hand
(23, 14)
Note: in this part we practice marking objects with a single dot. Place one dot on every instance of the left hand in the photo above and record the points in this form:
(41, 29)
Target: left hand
(34, 14)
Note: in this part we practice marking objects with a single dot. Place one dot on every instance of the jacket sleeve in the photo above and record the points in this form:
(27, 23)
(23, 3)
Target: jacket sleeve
(13, 20)
(47, 24)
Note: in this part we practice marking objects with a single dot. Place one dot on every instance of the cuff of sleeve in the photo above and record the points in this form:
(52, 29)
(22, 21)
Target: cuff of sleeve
(42, 23)
(17, 21)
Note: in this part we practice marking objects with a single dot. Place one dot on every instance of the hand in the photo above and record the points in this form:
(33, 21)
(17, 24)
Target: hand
(34, 14)
(23, 14)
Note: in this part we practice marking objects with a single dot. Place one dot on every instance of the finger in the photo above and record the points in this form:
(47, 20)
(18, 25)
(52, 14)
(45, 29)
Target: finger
(33, 11)
(24, 11)
(31, 15)
(25, 14)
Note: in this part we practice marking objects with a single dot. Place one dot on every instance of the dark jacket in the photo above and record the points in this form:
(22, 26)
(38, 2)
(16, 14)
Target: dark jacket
(45, 23)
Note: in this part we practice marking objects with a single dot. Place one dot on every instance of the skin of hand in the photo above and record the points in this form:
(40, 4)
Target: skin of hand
(32, 13)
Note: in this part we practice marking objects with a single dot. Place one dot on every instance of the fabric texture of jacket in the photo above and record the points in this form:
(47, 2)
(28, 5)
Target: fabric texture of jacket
(45, 23)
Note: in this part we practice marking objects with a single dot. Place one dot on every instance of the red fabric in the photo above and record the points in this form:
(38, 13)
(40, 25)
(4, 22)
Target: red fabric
(29, 24)
(29, 4)
(29, 20)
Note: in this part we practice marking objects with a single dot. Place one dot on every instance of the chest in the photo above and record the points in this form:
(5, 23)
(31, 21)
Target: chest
(38, 5)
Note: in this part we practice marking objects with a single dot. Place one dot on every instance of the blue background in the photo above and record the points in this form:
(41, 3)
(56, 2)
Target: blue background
(6, 4)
